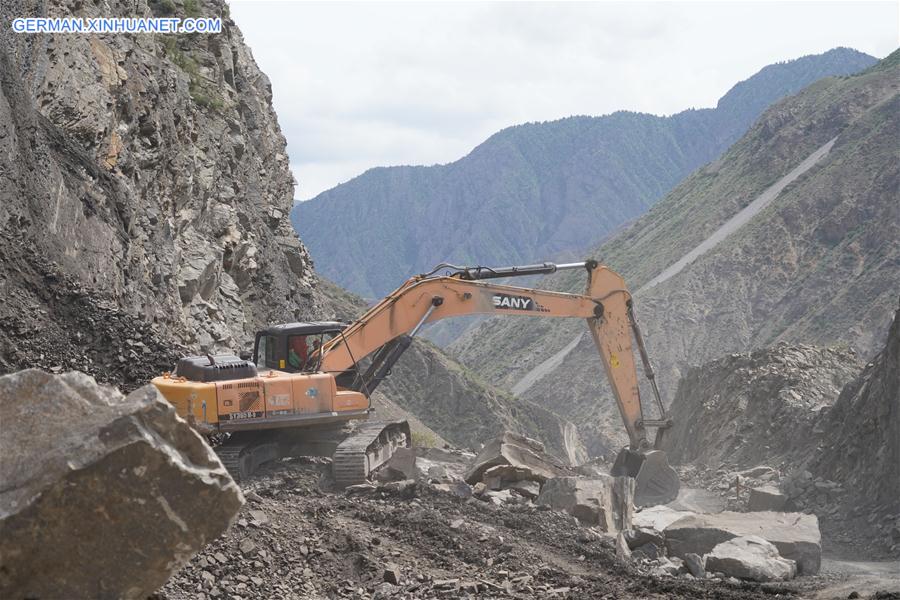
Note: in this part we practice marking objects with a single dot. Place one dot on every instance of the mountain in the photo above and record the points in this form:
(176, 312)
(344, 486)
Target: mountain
(536, 191)
(818, 264)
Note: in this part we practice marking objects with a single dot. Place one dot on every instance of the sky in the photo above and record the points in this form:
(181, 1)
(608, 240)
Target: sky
(361, 85)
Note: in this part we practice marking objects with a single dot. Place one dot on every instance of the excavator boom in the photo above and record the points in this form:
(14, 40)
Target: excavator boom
(386, 328)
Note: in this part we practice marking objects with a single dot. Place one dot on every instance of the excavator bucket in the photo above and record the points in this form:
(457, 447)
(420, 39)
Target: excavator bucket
(655, 482)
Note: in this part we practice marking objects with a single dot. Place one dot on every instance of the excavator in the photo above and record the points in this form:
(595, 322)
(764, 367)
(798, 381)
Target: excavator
(305, 382)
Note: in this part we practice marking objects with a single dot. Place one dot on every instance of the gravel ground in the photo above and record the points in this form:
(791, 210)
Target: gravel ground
(297, 539)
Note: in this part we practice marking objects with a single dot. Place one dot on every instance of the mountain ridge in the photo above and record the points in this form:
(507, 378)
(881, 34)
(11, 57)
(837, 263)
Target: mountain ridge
(555, 187)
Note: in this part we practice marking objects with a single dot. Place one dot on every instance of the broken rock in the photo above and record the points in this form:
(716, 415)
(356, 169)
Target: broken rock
(517, 451)
(750, 557)
(796, 535)
(528, 489)
(640, 536)
(601, 501)
(103, 494)
(623, 552)
(695, 565)
(503, 476)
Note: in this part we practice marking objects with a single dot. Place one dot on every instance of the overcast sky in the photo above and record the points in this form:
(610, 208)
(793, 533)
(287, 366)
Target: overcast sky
(359, 85)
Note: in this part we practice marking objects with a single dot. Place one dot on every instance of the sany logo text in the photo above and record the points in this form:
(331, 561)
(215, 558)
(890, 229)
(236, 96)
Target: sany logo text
(513, 302)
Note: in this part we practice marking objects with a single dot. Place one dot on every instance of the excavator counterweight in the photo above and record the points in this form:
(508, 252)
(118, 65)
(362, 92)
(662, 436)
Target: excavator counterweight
(306, 375)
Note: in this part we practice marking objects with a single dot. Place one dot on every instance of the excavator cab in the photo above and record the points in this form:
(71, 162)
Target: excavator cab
(294, 347)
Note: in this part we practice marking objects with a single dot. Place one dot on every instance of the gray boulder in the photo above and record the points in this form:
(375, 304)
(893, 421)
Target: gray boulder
(103, 495)
(604, 501)
(695, 565)
(766, 498)
(518, 451)
(750, 557)
(796, 535)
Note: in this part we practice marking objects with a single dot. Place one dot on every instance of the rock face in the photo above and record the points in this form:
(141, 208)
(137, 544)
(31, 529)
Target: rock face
(151, 171)
(104, 495)
(863, 430)
(750, 557)
(605, 502)
(796, 535)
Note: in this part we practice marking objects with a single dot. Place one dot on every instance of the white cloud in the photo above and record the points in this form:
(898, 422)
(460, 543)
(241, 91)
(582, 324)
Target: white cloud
(359, 85)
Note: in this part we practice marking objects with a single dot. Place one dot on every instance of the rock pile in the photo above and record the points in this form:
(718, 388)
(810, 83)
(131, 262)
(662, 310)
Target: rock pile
(103, 495)
(663, 536)
(513, 466)
(757, 408)
(416, 540)
(857, 474)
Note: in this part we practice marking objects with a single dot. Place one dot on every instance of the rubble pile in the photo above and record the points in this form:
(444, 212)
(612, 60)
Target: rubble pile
(52, 321)
(748, 546)
(757, 408)
(102, 494)
(298, 538)
(799, 428)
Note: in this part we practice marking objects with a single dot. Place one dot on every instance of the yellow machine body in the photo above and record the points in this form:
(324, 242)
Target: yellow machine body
(270, 400)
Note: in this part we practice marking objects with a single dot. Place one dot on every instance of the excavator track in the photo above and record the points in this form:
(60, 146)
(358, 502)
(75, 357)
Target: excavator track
(371, 445)
(242, 459)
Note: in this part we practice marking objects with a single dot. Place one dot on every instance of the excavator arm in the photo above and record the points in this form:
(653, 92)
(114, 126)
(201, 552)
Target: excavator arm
(386, 329)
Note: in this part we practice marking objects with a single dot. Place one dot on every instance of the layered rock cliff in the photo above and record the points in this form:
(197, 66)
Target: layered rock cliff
(151, 171)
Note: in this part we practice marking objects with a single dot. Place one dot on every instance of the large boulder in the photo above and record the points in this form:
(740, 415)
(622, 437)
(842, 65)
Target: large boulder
(604, 501)
(103, 496)
(750, 557)
(519, 451)
(796, 535)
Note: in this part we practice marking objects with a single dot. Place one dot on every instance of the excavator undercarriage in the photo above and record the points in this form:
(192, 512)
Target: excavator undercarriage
(356, 451)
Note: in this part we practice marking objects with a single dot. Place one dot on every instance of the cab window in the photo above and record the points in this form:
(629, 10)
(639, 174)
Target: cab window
(265, 357)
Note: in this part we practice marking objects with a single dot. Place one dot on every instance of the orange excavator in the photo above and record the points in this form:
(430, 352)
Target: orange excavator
(306, 381)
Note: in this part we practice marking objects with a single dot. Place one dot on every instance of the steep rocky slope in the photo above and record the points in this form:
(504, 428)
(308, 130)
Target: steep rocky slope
(818, 265)
(863, 433)
(533, 191)
(825, 427)
(151, 170)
